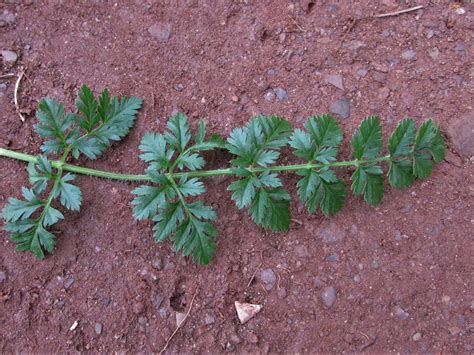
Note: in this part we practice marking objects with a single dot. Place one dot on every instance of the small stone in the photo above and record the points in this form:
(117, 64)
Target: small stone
(281, 94)
(138, 307)
(164, 312)
(68, 283)
(157, 300)
(252, 338)
(332, 234)
(269, 96)
(460, 48)
(6, 18)
(319, 282)
(409, 54)
(375, 264)
(362, 72)
(416, 337)
(348, 338)
(157, 264)
(142, 320)
(169, 265)
(328, 296)
(357, 279)
(454, 330)
(461, 132)
(384, 93)
(341, 107)
(445, 299)
(262, 85)
(209, 319)
(379, 76)
(355, 45)
(400, 313)
(179, 87)
(9, 57)
(407, 208)
(235, 98)
(332, 258)
(268, 277)
(246, 311)
(282, 292)
(335, 80)
(161, 32)
(3, 276)
(429, 34)
(471, 307)
(180, 318)
(98, 328)
(434, 53)
(234, 338)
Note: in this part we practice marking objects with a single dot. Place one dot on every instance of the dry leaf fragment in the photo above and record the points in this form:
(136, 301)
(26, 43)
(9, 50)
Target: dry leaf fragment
(246, 311)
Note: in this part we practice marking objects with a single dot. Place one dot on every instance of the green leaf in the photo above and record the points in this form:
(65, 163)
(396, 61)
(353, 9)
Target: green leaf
(51, 216)
(89, 146)
(321, 189)
(302, 144)
(35, 240)
(402, 139)
(87, 105)
(178, 134)
(244, 191)
(201, 133)
(190, 187)
(238, 143)
(429, 147)
(400, 173)
(191, 161)
(70, 195)
(326, 135)
(196, 237)
(16, 209)
(53, 125)
(367, 140)
(170, 214)
(270, 209)
(153, 148)
(265, 158)
(149, 199)
(201, 211)
(268, 179)
(368, 180)
(276, 131)
(40, 173)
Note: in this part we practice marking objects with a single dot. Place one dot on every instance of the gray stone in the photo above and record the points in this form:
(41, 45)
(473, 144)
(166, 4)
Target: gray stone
(357, 279)
(409, 54)
(161, 31)
(335, 80)
(69, 281)
(341, 107)
(6, 18)
(362, 72)
(281, 94)
(3, 276)
(282, 292)
(379, 76)
(461, 133)
(142, 320)
(434, 53)
(209, 319)
(332, 234)
(157, 300)
(375, 264)
(268, 277)
(98, 328)
(460, 48)
(269, 96)
(400, 313)
(9, 57)
(328, 296)
(416, 337)
(157, 264)
(332, 258)
(319, 282)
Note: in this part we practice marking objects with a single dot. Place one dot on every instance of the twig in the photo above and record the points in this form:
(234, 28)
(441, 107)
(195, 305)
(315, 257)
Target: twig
(15, 95)
(396, 13)
(297, 24)
(178, 326)
(9, 75)
(253, 275)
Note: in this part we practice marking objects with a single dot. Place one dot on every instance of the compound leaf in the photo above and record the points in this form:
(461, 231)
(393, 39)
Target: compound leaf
(149, 199)
(244, 191)
(70, 195)
(178, 134)
(154, 150)
(16, 209)
(429, 147)
(270, 209)
(87, 105)
(402, 139)
(190, 187)
(368, 180)
(39, 173)
(302, 144)
(400, 173)
(170, 214)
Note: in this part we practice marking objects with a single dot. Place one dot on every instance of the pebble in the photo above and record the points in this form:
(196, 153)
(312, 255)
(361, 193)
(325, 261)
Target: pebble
(460, 132)
(409, 54)
(98, 328)
(209, 319)
(328, 296)
(282, 292)
(281, 94)
(157, 301)
(3, 276)
(138, 307)
(429, 34)
(6, 18)
(332, 258)
(407, 208)
(262, 85)
(400, 313)
(332, 234)
(68, 283)
(269, 96)
(362, 72)
(157, 264)
(142, 320)
(179, 87)
(471, 307)
(341, 107)
(335, 80)
(9, 57)
(319, 282)
(460, 48)
(161, 31)
(357, 279)
(434, 53)
(268, 277)
(375, 264)
(416, 337)
(252, 338)
(384, 93)
(379, 76)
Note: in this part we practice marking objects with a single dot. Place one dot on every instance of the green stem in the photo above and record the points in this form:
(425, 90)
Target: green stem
(203, 173)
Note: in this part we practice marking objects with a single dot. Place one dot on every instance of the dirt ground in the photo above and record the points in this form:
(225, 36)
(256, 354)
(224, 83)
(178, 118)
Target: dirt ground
(402, 272)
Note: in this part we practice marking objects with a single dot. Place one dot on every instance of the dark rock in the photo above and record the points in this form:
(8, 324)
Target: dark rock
(409, 55)
(3, 276)
(161, 31)
(332, 258)
(68, 283)
(362, 72)
(209, 319)
(341, 107)
(400, 313)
